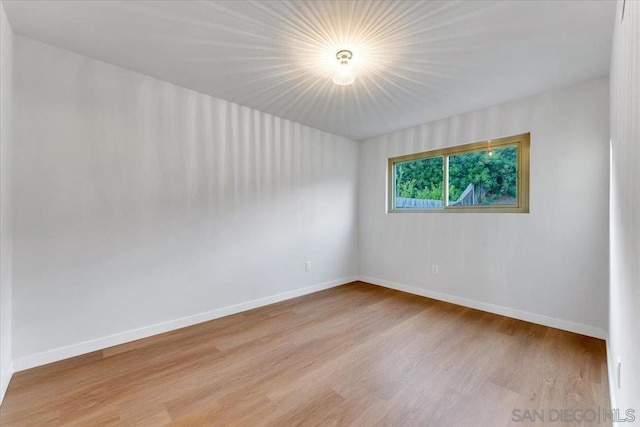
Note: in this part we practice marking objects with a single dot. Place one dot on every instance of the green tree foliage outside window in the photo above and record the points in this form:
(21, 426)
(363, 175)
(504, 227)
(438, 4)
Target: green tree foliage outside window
(420, 179)
(492, 172)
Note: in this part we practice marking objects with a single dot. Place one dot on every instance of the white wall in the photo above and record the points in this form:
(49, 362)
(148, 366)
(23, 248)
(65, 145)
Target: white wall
(624, 309)
(139, 202)
(6, 165)
(549, 266)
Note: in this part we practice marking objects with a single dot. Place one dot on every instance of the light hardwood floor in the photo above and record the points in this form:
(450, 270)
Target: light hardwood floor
(354, 355)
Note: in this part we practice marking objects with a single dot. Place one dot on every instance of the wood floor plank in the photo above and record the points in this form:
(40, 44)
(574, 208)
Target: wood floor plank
(357, 355)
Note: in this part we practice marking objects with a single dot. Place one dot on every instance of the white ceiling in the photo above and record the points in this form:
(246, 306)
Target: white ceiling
(424, 59)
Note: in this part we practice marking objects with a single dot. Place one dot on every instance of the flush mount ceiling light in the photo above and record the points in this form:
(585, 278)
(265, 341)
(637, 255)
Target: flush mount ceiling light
(344, 73)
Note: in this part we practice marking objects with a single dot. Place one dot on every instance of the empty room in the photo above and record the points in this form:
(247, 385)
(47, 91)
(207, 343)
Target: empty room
(320, 213)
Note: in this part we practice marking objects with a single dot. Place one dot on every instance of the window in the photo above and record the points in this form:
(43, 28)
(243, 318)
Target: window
(488, 176)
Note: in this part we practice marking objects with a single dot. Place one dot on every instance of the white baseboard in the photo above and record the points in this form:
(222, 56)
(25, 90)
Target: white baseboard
(492, 308)
(5, 378)
(66, 352)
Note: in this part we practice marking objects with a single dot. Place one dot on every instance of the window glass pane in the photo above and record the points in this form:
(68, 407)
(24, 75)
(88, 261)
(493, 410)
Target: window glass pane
(484, 178)
(418, 184)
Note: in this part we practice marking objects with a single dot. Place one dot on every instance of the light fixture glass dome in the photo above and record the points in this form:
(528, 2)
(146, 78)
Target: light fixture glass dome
(344, 73)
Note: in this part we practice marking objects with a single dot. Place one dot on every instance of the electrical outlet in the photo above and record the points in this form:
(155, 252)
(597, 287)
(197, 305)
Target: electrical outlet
(307, 266)
(435, 269)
